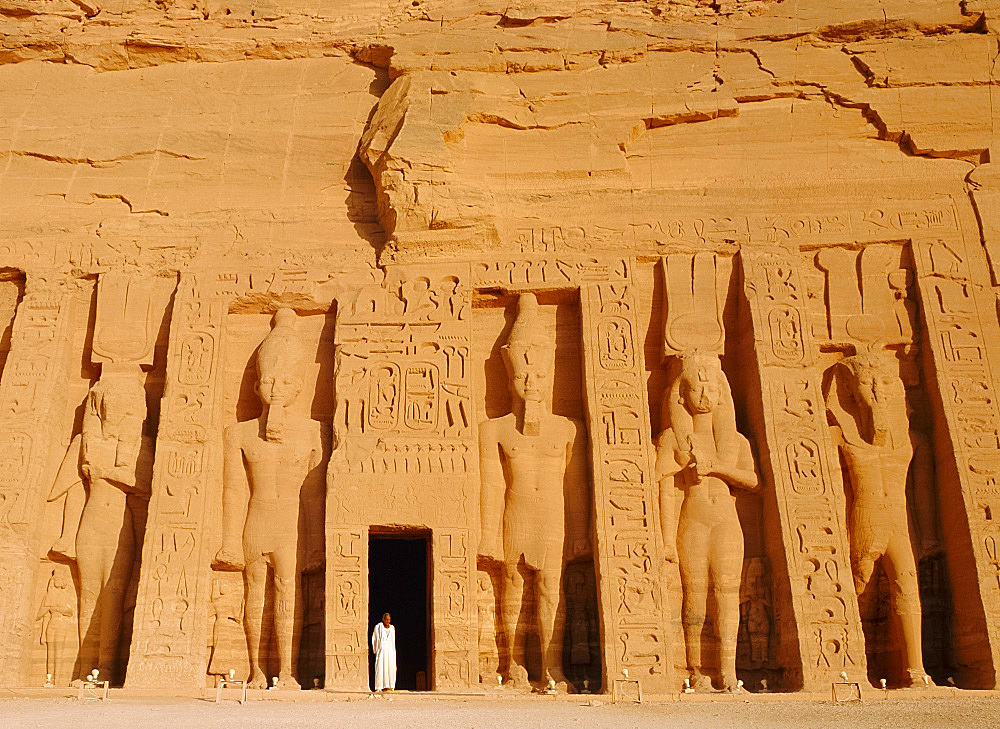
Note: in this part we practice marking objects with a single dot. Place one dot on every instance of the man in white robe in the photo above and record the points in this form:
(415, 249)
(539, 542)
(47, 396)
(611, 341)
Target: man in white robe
(384, 646)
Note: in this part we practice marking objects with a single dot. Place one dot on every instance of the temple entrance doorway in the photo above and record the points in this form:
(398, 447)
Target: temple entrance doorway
(399, 584)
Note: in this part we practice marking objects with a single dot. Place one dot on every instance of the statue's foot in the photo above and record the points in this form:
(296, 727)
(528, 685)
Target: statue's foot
(559, 678)
(517, 678)
(730, 683)
(287, 682)
(258, 680)
(700, 683)
(917, 678)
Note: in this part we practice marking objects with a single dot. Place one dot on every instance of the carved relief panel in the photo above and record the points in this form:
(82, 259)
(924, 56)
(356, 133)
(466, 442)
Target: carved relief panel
(961, 331)
(28, 399)
(801, 464)
(629, 548)
(175, 586)
(403, 418)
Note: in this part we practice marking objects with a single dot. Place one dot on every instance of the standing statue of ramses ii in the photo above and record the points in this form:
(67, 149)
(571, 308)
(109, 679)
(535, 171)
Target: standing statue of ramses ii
(535, 500)
(273, 499)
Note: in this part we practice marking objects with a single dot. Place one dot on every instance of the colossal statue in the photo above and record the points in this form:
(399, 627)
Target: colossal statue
(866, 401)
(273, 500)
(104, 515)
(701, 453)
(535, 500)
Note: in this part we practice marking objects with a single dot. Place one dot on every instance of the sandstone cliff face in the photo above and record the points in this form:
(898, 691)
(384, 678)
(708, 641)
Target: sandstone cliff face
(790, 202)
(155, 131)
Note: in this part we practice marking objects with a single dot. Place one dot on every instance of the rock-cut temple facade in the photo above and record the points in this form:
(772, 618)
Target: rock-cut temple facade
(654, 340)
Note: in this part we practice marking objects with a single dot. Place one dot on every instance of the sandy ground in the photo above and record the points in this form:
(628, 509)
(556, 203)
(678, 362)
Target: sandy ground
(445, 713)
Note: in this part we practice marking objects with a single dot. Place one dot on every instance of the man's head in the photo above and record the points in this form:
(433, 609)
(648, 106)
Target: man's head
(700, 388)
(876, 389)
(871, 378)
(280, 358)
(529, 354)
(386, 619)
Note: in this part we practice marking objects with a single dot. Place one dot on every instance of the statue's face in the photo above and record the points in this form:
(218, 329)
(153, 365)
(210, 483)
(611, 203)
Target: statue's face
(700, 390)
(279, 386)
(531, 368)
(873, 387)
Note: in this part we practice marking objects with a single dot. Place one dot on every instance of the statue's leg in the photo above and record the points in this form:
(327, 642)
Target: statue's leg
(725, 566)
(65, 546)
(693, 557)
(118, 566)
(904, 592)
(287, 621)
(255, 575)
(864, 552)
(51, 651)
(551, 623)
(90, 568)
(511, 600)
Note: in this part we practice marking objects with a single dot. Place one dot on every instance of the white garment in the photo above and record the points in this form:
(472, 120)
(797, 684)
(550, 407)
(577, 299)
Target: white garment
(384, 645)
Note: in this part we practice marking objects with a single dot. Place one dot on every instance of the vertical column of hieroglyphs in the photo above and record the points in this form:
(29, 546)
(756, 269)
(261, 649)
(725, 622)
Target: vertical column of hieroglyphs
(404, 458)
(169, 640)
(633, 605)
(29, 389)
(456, 642)
(961, 330)
(799, 461)
(346, 608)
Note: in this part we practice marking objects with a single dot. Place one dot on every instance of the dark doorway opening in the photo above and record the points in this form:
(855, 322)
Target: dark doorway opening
(398, 584)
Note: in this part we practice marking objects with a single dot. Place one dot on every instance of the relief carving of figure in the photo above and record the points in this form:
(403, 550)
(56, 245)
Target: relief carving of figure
(273, 500)
(489, 654)
(535, 499)
(104, 516)
(866, 401)
(228, 636)
(701, 453)
(57, 624)
(755, 609)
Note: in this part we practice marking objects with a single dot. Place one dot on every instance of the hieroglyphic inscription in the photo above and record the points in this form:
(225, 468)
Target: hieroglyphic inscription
(403, 413)
(347, 607)
(545, 272)
(801, 466)
(962, 329)
(29, 389)
(455, 638)
(174, 588)
(634, 610)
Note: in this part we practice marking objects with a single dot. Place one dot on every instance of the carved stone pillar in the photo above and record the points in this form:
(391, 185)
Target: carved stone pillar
(168, 644)
(822, 633)
(31, 387)
(628, 554)
(961, 331)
